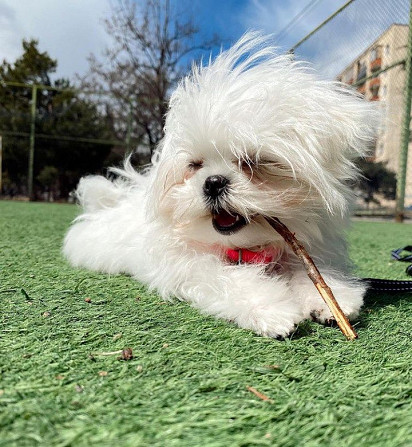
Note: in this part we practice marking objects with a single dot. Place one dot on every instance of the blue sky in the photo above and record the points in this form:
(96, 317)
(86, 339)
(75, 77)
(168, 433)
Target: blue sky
(231, 18)
(72, 29)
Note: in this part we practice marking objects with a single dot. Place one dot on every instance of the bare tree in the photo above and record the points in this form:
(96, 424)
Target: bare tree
(151, 44)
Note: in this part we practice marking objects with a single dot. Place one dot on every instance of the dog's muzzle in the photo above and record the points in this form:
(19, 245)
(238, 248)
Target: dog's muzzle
(224, 221)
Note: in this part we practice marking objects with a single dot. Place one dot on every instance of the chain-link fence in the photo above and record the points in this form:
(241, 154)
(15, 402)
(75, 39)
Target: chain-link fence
(45, 131)
(50, 136)
(365, 44)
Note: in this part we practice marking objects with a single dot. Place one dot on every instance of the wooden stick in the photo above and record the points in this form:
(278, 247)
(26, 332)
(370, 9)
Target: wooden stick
(106, 353)
(315, 276)
(259, 394)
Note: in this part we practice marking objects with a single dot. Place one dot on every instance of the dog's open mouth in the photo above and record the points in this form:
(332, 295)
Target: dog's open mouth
(225, 222)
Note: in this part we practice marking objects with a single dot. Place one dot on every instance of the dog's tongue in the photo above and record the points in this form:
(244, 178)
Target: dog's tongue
(224, 219)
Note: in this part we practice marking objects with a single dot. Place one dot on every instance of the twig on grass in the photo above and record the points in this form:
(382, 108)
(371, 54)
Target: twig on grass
(259, 394)
(25, 294)
(106, 353)
(126, 354)
(315, 276)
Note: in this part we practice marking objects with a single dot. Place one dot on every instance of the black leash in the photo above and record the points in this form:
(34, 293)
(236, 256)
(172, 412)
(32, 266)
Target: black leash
(389, 285)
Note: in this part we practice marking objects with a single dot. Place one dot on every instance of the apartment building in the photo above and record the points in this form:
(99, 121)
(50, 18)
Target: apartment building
(388, 88)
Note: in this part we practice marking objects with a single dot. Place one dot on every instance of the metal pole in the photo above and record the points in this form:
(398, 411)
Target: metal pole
(1, 164)
(403, 155)
(298, 44)
(129, 127)
(32, 140)
(378, 72)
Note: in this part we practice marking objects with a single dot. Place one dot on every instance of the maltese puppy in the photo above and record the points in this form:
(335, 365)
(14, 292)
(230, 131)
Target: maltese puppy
(252, 134)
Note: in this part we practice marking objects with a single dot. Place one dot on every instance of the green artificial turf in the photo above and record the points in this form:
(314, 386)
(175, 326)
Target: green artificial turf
(187, 383)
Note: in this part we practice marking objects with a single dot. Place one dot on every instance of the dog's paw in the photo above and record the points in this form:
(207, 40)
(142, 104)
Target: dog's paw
(278, 330)
(349, 298)
(323, 316)
(269, 323)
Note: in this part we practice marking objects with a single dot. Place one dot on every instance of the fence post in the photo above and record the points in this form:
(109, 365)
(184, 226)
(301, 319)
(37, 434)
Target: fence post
(403, 155)
(1, 164)
(129, 127)
(32, 140)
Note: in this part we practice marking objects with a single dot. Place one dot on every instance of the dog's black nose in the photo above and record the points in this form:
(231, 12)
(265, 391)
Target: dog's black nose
(215, 185)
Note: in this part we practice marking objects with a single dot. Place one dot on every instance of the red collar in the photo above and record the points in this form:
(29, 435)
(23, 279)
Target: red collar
(244, 256)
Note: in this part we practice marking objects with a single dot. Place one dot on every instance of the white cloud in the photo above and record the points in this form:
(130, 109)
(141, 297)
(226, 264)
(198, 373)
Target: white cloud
(68, 30)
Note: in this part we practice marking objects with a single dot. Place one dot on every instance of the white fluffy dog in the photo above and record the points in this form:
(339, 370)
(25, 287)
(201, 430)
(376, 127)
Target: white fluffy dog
(252, 134)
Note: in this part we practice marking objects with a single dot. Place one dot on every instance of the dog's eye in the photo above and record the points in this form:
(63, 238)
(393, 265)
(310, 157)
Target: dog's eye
(263, 167)
(248, 166)
(195, 165)
(272, 164)
(252, 165)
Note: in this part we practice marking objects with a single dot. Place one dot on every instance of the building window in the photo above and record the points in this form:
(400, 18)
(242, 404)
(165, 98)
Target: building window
(361, 71)
(387, 50)
(375, 93)
(375, 59)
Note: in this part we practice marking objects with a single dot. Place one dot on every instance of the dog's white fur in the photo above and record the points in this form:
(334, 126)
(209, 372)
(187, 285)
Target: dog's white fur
(286, 141)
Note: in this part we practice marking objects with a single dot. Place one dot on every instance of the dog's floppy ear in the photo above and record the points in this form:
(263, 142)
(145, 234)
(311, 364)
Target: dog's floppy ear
(344, 130)
(354, 122)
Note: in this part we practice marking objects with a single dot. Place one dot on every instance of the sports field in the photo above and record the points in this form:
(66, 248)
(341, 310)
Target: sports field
(191, 380)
